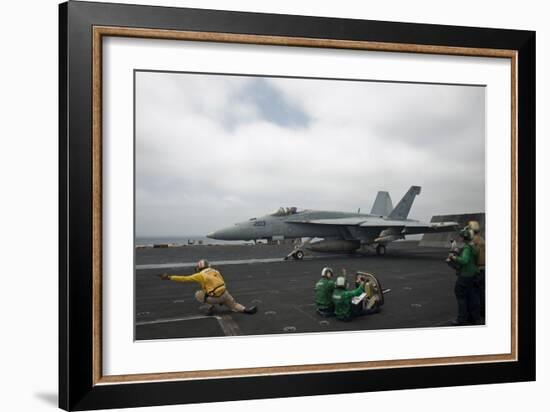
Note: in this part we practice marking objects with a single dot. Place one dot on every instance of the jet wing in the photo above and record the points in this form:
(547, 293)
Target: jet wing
(434, 227)
(344, 221)
(408, 227)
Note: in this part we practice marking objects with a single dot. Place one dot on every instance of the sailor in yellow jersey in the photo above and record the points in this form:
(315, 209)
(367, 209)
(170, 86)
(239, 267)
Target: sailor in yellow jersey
(213, 291)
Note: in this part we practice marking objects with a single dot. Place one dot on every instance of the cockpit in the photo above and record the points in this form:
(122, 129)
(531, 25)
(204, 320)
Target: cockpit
(285, 211)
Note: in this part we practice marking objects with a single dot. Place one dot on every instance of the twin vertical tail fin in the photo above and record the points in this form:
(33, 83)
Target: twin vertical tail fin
(403, 208)
(382, 204)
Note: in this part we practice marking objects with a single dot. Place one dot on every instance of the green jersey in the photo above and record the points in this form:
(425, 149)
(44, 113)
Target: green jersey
(467, 261)
(342, 302)
(323, 293)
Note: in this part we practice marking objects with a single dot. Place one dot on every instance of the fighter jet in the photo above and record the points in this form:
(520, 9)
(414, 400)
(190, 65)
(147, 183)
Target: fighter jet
(333, 232)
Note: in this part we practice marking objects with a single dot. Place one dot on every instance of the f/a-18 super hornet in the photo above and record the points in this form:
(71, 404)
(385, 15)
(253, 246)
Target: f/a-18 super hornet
(332, 232)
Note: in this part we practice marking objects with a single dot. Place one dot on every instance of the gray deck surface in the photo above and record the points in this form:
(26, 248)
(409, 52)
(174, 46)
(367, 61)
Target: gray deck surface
(421, 290)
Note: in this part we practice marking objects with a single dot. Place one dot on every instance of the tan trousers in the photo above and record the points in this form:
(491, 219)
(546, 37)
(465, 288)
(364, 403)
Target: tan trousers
(225, 299)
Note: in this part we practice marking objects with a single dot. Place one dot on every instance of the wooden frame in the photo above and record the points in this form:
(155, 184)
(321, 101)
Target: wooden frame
(82, 27)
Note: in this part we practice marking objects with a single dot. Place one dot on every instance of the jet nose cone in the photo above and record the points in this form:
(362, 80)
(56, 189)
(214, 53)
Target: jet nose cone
(227, 233)
(221, 234)
(212, 235)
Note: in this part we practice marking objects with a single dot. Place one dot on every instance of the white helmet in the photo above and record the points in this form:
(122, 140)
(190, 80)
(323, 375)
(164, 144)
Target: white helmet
(340, 282)
(327, 272)
(467, 234)
(202, 264)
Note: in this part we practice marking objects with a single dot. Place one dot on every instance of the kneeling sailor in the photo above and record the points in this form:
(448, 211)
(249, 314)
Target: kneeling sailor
(343, 307)
(323, 293)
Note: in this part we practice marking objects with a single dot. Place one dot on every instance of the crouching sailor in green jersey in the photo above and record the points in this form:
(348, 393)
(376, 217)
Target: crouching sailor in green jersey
(344, 309)
(323, 293)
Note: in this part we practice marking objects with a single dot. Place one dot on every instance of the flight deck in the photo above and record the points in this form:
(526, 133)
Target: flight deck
(420, 282)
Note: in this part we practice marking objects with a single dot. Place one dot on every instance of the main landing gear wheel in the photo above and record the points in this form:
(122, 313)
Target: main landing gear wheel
(380, 250)
(299, 255)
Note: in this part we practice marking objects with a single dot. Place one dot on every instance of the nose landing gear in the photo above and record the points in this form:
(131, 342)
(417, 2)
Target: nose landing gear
(296, 254)
(381, 250)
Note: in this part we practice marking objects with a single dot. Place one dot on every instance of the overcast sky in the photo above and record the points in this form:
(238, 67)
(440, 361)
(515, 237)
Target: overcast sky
(212, 150)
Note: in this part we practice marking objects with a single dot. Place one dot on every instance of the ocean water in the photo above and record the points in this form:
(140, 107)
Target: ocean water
(182, 240)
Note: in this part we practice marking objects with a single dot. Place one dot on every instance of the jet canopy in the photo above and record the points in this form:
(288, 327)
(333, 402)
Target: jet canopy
(285, 211)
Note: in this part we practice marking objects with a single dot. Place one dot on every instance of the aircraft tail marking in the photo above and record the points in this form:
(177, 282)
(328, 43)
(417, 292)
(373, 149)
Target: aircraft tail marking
(403, 208)
(382, 205)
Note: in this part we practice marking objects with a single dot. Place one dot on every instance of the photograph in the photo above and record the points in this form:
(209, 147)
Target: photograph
(274, 205)
(313, 200)
(296, 205)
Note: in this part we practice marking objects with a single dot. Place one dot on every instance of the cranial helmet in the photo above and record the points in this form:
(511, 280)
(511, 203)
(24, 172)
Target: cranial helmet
(327, 272)
(340, 282)
(467, 233)
(202, 264)
(474, 225)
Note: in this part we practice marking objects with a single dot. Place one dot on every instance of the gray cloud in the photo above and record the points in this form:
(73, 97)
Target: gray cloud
(214, 149)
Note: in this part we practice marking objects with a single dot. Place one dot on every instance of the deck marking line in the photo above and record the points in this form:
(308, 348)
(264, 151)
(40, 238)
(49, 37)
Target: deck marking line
(169, 320)
(228, 325)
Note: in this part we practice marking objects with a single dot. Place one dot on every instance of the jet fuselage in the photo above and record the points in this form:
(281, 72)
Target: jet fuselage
(289, 227)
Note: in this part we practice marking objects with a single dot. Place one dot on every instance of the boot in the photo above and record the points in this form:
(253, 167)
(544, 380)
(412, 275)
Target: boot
(250, 310)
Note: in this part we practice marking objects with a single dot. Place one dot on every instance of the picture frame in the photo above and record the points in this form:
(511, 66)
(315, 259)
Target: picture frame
(82, 28)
